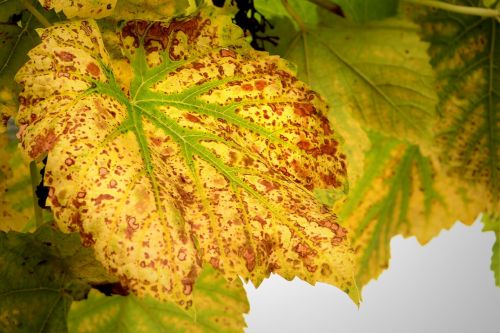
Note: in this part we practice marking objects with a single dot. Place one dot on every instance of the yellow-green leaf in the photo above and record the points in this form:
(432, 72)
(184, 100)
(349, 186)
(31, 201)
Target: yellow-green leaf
(404, 193)
(466, 56)
(218, 306)
(193, 149)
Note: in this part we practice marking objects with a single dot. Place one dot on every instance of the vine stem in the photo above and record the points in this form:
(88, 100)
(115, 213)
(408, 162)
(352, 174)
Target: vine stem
(293, 14)
(27, 4)
(478, 11)
(34, 183)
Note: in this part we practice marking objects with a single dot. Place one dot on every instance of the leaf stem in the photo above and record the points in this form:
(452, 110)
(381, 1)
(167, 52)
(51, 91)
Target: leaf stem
(485, 12)
(294, 15)
(34, 183)
(27, 4)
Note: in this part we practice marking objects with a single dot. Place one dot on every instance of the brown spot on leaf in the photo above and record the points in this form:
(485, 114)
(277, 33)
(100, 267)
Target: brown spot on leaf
(303, 109)
(260, 220)
(249, 256)
(103, 172)
(269, 185)
(227, 53)
(247, 87)
(303, 250)
(260, 84)
(65, 56)
(93, 69)
(182, 255)
(192, 118)
(43, 143)
(102, 197)
(304, 145)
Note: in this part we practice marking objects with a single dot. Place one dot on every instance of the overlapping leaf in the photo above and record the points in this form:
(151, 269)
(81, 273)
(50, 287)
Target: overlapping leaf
(466, 56)
(120, 9)
(218, 306)
(404, 193)
(377, 72)
(41, 274)
(194, 149)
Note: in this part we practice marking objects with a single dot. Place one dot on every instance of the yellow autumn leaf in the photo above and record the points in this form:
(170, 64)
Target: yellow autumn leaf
(193, 149)
(120, 9)
(81, 8)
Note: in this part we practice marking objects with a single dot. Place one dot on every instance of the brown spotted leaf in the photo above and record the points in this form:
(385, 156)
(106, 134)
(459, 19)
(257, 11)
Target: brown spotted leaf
(194, 148)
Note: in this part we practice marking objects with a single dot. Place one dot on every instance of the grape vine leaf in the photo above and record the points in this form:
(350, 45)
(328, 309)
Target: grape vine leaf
(466, 56)
(121, 9)
(378, 72)
(195, 149)
(16, 198)
(218, 306)
(41, 274)
(362, 11)
(402, 192)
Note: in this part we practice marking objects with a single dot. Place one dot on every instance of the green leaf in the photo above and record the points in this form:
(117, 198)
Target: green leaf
(218, 306)
(378, 72)
(492, 223)
(41, 274)
(362, 11)
(402, 192)
(194, 149)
